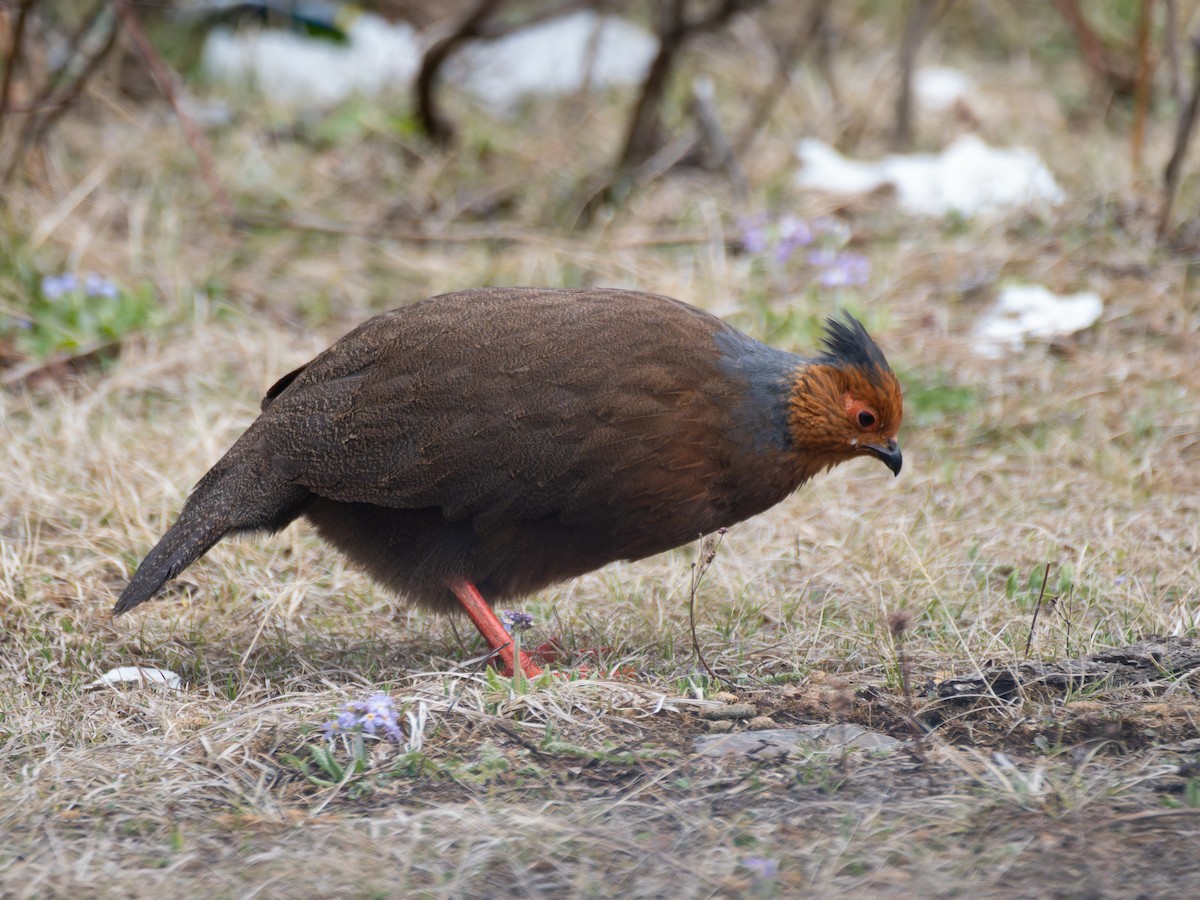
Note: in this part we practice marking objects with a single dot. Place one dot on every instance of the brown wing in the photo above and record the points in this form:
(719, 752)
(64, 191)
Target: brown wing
(507, 405)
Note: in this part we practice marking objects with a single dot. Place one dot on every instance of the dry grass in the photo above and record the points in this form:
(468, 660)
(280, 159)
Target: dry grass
(1087, 458)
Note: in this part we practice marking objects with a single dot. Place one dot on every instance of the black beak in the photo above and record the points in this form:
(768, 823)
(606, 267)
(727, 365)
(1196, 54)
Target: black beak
(888, 453)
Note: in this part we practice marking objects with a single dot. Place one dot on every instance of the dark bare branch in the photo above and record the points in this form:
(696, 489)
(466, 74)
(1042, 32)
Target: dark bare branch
(916, 26)
(167, 84)
(810, 28)
(1183, 136)
(436, 127)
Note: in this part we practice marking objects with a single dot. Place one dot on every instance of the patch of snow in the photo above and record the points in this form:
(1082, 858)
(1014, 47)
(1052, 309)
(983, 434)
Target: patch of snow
(296, 70)
(144, 675)
(968, 177)
(556, 57)
(937, 88)
(1032, 311)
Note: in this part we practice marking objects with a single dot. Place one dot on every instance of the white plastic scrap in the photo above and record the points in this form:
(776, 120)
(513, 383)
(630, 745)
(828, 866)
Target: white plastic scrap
(968, 177)
(144, 675)
(1032, 311)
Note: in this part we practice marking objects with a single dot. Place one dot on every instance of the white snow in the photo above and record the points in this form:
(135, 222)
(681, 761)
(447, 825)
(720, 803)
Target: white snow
(937, 88)
(556, 57)
(296, 70)
(1032, 311)
(968, 177)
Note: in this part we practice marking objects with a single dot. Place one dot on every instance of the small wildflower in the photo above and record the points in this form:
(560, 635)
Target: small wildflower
(375, 716)
(843, 269)
(793, 234)
(516, 621)
(55, 286)
(755, 238)
(1121, 579)
(95, 286)
(763, 867)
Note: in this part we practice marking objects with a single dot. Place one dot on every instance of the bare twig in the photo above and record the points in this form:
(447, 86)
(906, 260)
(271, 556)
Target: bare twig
(674, 31)
(1111, 70)
(57, 106)
(1171, 43)
(436, 127)
(491, 234)
(167, 84)
(899, 623)
(642, 137)
(705, 109)
(708, 552)
(14, 57)
(1037, 609)
(36, 127)
(810, 28)
(1141, 94)
(1183, 136)
(915, 28)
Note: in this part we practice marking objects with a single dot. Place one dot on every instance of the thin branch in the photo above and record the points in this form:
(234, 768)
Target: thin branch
(494, 235)
(167, 84)
(708, 552)
(14, 56)
(1171, 40)
(705, 109)
(642, 138)
(810, 28)
(1141, 91)
(916, 26)
(436, 127)
(57, 106)
(37, 127)
(1110, 69)
(1183, 136)
(1037, 609)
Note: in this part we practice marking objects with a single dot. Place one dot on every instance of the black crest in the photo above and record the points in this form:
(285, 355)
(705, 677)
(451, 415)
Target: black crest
(847, 343)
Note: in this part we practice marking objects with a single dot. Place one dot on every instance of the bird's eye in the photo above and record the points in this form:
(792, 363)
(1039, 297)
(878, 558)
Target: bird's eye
(865, 419)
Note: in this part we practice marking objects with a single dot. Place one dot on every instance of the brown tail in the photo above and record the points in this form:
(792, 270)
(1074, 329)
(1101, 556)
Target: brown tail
(228, 499)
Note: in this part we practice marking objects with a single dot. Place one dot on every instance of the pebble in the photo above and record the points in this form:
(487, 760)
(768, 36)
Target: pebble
(772, 743)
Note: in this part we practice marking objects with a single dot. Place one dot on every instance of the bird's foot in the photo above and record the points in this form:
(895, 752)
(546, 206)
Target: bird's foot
(493, 632)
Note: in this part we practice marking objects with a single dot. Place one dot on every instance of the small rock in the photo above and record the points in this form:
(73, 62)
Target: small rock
(730, 711)
(772, 743)
(721, 726)
(760, 723)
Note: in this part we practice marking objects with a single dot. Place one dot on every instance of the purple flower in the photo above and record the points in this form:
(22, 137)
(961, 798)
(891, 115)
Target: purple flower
(841, 269)
(755, 238)
(54, 286)
(516, 621)
(762, 866)
(95, 286)
(793, 234)
(374, 715)
(831, 227)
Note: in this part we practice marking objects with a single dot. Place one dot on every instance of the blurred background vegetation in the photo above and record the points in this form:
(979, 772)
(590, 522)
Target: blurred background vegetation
(181, 192)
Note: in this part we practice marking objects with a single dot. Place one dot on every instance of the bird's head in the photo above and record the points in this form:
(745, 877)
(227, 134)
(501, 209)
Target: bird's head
(845, 402)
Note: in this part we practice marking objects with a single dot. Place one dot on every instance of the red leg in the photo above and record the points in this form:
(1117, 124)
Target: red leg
(491, 629)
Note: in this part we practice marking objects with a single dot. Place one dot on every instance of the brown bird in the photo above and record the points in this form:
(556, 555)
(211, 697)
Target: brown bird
(488, 443)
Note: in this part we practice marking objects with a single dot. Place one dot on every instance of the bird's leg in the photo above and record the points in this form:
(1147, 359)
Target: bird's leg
(491, 629)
